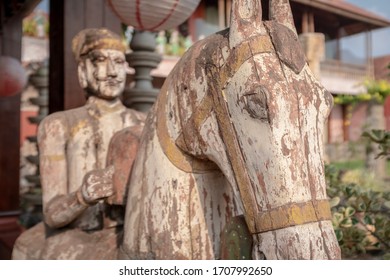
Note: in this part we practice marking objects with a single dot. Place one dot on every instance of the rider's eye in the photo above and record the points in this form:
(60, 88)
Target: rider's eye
(99, 59)
(255, 104)
(119, 61)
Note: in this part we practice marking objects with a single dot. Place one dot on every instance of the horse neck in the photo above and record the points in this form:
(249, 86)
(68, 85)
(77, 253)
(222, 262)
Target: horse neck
(171, 133)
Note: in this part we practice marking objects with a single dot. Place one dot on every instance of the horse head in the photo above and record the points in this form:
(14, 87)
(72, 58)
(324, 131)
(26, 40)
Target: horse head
(241, 104)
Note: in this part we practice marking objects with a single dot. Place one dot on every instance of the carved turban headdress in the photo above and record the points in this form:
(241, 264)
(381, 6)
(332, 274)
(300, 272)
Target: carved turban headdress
(93, 38)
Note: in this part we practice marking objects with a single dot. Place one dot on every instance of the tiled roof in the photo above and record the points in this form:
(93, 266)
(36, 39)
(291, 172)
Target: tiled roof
(347, 10)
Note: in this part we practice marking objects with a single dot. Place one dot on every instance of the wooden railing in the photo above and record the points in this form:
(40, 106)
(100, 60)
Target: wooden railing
(345, 70)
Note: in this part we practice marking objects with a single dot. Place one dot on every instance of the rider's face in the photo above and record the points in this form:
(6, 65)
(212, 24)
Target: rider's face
(105, 73)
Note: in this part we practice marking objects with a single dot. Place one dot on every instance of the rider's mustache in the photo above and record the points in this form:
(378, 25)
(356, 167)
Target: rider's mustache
(109, 79)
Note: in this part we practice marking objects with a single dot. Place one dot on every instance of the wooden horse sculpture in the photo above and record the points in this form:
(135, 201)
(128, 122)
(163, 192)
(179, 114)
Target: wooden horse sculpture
(237, 130)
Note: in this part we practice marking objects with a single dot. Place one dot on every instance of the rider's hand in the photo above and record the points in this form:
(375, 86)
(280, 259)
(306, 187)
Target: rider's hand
(97, 185)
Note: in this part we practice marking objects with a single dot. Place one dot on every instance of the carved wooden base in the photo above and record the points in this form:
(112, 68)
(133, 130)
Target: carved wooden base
(9, 231)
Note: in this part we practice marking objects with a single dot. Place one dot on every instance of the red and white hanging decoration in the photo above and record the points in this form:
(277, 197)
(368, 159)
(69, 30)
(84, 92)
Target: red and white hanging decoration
(153, 15)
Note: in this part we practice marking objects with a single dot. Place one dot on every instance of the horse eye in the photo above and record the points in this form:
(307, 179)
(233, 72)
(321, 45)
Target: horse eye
(255, 105)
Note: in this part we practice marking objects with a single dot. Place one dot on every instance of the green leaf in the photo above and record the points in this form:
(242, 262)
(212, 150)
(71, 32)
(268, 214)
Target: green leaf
(346, 223)
(362, 207)
(337, 218)
(334, 201)
(367, 220)
(349, 211)
(360, 248)
(375, 135)
(339, 235)
(350, 189)
(375, 206)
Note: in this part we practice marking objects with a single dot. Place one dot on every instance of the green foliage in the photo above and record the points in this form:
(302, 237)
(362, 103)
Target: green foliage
(349, 165)
(377, 91)
(33, 23)
(47, 28)
(346, 99)
(382, 138)
(360, 216)
(366, 180)
(29, 27)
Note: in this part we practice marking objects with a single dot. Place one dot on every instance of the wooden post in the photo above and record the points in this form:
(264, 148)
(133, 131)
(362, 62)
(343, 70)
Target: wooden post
(308, 22)
(10, 42)
(305, 22)
(143, 59)
(228, 11)
(221, 14)
(338, 45)
(57, 56)
(347, 114)
(311, 22)
(370, 68)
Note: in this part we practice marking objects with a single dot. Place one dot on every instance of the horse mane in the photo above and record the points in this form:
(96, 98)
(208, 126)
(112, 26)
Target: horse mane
(185, 90)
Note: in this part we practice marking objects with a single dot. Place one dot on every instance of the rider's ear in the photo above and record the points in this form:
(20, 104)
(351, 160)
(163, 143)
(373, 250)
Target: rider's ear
(82, 74)
(246, 21)
(280, 11)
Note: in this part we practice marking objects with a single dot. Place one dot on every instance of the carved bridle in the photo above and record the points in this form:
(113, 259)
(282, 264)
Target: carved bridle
(215, 100)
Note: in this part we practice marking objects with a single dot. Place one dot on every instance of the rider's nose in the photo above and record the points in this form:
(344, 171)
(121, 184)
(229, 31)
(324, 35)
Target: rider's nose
(111, 71)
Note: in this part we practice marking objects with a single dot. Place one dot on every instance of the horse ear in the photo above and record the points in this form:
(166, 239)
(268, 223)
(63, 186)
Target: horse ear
(246, 21)
(280, 11)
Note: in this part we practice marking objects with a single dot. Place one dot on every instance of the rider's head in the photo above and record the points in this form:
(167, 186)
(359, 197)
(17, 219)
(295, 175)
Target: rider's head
(102, 66)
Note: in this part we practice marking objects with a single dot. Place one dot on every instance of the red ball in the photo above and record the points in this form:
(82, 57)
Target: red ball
(13, 76)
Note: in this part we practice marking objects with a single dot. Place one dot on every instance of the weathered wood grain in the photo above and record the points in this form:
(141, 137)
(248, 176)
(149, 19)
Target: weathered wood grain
(243, 100)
